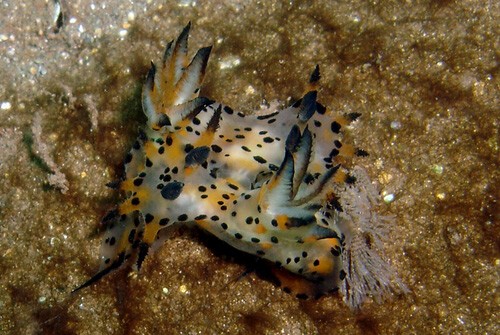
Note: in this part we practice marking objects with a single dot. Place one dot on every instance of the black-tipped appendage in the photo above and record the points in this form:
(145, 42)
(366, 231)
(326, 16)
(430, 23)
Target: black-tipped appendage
(308, 106)
(214, 121)
(293, 138)
(315, 75)
(150, 77)
(115, 265)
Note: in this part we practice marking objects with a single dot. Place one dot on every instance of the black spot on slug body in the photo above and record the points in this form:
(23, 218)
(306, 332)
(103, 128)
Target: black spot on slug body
(259, 159)
(172, 190)
(335, 127)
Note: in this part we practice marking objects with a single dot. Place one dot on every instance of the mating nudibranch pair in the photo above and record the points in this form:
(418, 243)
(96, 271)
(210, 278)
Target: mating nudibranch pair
(271, 185)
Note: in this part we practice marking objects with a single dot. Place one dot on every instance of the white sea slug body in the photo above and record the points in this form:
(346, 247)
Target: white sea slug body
(270, 185)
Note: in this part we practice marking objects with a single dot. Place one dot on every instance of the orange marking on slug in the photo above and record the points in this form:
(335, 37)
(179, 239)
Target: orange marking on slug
(310, 239)
(260, 229)
(324, 267)
(150, 231)
(282, 220)
(266, 245)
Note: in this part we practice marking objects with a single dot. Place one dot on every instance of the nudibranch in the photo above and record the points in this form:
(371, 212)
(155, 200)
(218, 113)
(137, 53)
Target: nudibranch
(275, 185)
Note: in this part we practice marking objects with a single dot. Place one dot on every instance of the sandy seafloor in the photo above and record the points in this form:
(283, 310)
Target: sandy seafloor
(424, 75)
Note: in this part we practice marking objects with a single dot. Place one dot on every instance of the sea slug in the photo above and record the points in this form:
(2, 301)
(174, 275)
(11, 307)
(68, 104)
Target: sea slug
(276, 185)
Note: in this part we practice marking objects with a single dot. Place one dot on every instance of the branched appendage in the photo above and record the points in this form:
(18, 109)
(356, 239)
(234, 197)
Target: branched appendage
(175, 83)
(367, 273)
